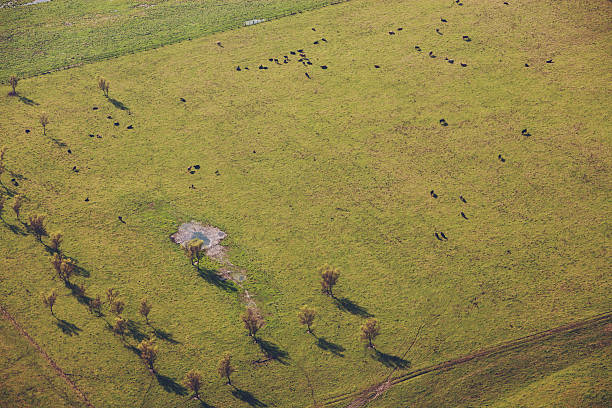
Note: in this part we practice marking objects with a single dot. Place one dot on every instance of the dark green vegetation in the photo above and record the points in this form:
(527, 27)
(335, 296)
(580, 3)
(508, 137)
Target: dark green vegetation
(337, 170)
(63, 33)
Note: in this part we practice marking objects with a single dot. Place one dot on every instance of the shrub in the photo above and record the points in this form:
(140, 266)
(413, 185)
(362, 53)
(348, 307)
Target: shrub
(44, 121)
(49, 300)
(104, 85)
(193, 381)
(306, 316)
(252, 321)
(369, 330)
(148, 353)
(36, 225)
(225, 368)
(329, 278)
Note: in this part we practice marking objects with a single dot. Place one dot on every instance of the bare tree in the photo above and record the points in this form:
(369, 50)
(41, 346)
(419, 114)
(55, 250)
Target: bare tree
(194, 249)
(329, 278)
(104, 85)
(306, 316)
(56, 261)
(95, 305)
(120, 326)
(36, 225)
(67, 268)
(17, 205)
(225, 368)
(111, 295)
(117, 306)
(148, 353)
(49, 300)
(56, 241)
(145, 309)
(369, 330)
(44, 121)
(193, 381)
(13, 81)
(252, 321)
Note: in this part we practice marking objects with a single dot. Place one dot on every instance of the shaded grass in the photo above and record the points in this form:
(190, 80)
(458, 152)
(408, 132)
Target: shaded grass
(334, 170)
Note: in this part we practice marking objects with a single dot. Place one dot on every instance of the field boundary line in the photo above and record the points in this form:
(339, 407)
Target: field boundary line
(363, 397)
(51, 362)
(112, 55)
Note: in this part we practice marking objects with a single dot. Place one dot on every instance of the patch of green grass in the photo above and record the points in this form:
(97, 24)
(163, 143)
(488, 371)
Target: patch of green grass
(336, 169)
(27, 379)
(61, 33)
(567, 370)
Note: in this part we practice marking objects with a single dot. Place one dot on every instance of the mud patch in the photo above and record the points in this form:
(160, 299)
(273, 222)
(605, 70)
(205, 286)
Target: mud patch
(212, 237)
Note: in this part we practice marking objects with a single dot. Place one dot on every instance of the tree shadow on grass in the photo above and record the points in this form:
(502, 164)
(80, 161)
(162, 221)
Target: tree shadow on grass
(273, 351)
(211, 276)
(164, 335)
(14, 229)
(391, 361)
(170, 385)
(58, 142)
(326, 345)
(27, 101)
(247, 397)
(68, 328)
(134, 330)
(117, 104)
(348, 305)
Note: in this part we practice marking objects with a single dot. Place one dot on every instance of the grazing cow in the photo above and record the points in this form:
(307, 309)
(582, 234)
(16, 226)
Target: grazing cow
(184, 100)
(300, 50)
(450, 61)
(197, 167)
(437, 236)
(109, 117)
(95, 108)
(462, 199)
(121, 219)
(433, 194)
(116, 123)
(86, 199)
(443, 122)
(237, 69)
(391, 33)
(527, 65)
(550, 61)
(323, 66)
(316, 43)
(438, 31)
(307, 76)
(217, 173)
(466, 38)
(27, 131)
(323, 39)
(69, 151)
(443, 236)
(463, 64)
(463, 215)
(376, 66)
(313, 29)
(416, 47)
(130, 127)
(219, 43)
(431, 54)
(292, 52)
(443, 20)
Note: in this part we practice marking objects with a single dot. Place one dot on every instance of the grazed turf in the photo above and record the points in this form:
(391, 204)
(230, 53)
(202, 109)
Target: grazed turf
(63, 33)
(336, 169)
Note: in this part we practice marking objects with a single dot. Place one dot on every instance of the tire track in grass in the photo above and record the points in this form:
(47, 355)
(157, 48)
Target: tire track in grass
(362, 398)
(51, 362)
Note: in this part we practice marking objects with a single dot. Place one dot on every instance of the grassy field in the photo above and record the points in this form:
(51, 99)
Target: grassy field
(63, 33)
(334, 169)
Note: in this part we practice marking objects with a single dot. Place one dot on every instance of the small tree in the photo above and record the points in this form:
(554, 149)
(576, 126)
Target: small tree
(13, 81)
(56, 241)
(117, 306)
(104, 85)
(49, 300)
(56, 261)
(252, 321)
(194, 249)
(44, 121)
(193, 381)
(36, 224)
(17, 205)
(111, 295)
(306, 316)
(225, 368)
(67, 268)
(145, 309)
(95, 306)
(148, 353)
(369, 330)
(329, 278)
(2, 201)
(120, 326)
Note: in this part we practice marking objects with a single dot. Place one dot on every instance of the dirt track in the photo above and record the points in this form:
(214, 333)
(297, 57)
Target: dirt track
(362, 398)
(52, 363)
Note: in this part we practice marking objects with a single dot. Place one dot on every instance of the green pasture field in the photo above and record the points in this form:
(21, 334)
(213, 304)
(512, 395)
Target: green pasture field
(63, 33)
(336, 169)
